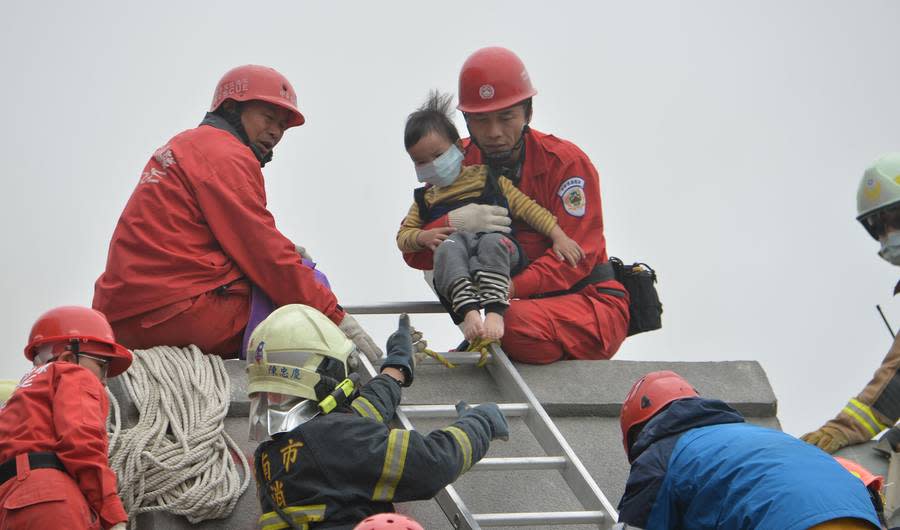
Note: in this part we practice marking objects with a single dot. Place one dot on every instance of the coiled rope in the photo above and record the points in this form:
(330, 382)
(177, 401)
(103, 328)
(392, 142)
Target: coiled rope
(178, 457)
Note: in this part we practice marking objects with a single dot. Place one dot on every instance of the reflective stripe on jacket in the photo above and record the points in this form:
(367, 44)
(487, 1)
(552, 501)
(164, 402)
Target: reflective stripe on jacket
(347, 466)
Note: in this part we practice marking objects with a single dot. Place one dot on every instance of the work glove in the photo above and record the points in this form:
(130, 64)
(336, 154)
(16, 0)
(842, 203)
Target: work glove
(828, 439)
(419, 345)
(476, 218)
(400, 350)
(490, 412)
(360, 338)
(303, 253)
(119, 526)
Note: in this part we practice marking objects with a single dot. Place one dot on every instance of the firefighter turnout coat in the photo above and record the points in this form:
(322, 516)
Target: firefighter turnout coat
(335, 470)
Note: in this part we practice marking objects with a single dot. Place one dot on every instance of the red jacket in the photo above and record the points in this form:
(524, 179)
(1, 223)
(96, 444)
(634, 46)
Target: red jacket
(198, 220)
(62, 407)
(556, 173)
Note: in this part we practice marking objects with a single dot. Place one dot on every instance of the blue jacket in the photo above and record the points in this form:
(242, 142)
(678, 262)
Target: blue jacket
(697, 465)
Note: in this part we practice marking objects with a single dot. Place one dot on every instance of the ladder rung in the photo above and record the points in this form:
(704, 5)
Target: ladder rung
(520, 463)
(538, 518)
(459, 358)
(509, 410)
(395, 307)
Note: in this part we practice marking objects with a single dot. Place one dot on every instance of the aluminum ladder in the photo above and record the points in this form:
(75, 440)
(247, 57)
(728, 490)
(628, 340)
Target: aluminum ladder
(559, 455)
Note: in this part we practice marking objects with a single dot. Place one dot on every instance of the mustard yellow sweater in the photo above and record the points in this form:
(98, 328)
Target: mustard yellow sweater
(469, 184)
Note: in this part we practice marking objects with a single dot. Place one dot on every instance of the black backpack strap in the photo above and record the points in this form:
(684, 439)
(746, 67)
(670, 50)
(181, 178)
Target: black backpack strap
(419, 196)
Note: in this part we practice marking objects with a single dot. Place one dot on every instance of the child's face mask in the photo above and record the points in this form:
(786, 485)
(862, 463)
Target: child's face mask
(443, 170)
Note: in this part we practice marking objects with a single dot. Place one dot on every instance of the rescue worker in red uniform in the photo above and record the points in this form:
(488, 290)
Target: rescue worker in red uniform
(556, 311)
(53, 446)
(196, 237)
(328, 458)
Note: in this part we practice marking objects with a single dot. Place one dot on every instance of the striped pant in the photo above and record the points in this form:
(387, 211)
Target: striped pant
(472, 270)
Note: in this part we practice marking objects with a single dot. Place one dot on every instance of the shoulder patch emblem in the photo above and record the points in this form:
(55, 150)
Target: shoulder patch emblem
(571, 192)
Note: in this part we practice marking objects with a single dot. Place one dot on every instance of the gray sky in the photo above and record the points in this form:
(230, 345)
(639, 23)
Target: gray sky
(730, 138)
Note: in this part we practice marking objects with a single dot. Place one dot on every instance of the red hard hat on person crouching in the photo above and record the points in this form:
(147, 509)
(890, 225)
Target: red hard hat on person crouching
(871, 480)
(88, 327)
(261, 83)
(388, 521)
(492, 79)
(648, 396)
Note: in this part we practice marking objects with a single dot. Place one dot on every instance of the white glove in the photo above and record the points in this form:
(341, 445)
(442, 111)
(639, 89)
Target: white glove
(360, 338)
(303, 253)
(480, 218)
(419, 345)
(119, 526)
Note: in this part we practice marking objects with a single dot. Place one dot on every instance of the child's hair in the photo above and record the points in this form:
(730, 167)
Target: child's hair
(435, 116)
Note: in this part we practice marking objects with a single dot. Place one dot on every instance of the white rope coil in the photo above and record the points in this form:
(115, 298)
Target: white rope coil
(178, 457)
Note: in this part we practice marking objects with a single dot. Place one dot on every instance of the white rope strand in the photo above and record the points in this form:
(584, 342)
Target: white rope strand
(177, 458)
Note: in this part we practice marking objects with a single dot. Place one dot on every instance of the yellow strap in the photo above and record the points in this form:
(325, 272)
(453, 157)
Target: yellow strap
(438, 357)
(300, 514)
(366, 409)
(482, 346)
(394, 461)
(465, 446)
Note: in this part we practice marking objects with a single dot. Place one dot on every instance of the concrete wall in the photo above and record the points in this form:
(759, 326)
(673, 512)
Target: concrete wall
(584, 399)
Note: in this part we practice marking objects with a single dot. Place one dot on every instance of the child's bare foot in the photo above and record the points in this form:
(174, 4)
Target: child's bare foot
(473, 326)
(493, 326)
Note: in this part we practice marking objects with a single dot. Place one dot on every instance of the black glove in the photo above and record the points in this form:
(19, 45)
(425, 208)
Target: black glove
(400, 350)
(490, 412)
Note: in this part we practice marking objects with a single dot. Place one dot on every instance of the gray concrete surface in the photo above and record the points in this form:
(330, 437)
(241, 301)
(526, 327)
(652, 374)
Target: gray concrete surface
(583, 397)
(875, 462)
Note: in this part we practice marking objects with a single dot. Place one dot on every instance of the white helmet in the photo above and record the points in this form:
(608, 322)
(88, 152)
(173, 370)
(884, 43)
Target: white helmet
(879, 191)
(296, 357)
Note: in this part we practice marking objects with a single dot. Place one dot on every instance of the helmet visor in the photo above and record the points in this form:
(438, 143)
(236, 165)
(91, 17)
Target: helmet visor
(272, 413)
(882, 221)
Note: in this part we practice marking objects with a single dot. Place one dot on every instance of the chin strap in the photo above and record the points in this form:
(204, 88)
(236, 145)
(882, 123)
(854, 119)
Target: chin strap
(502, 162)
(234, 126)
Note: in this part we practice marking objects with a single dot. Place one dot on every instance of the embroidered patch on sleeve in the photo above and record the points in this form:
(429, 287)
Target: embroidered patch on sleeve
(571, 192)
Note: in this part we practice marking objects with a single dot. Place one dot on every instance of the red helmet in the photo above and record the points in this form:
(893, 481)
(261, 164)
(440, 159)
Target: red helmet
(252, 82)
(388, 521)
(493, 79)
(648, 396)
(87, 326)
(872, 482)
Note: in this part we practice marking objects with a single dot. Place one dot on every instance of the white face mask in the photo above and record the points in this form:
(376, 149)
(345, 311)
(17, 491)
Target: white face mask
(443, 170)
(890, 248)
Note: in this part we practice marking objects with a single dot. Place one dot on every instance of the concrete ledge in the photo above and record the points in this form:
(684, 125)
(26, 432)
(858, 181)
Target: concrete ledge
(597, 388)
(584, 397)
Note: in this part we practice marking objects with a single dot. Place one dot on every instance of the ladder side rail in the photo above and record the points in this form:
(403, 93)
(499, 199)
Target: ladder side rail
(448, 499)
(550, 438)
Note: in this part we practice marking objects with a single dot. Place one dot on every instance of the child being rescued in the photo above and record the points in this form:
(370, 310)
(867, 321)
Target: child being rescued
(471, 271)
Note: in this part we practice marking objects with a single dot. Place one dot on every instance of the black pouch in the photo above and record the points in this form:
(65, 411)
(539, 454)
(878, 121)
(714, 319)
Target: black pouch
(640, 282)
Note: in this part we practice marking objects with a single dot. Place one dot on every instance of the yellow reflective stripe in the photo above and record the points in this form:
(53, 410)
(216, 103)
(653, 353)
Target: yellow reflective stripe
(281, 525)
(850, 411)
(465, 446)
(394, 461)
(868, 412)
(366, 409)
(300, 514)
